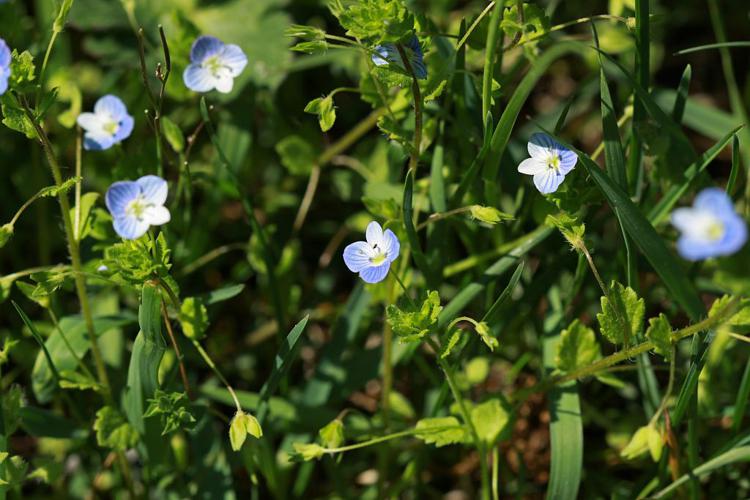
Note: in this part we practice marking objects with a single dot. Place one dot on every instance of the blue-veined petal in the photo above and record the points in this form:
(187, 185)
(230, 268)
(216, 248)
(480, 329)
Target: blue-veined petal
(130, 227)
(153, 188)
(357, 256)
(205, 46)
(392, 245)
(124, 130)
(375, 274)
(541, 145)
(111, 106)
(548, 182)
(234, 58)
(568, 160)
(692, 249)
(119, 195)
(735, 235)
(381, 55)
(197, 78)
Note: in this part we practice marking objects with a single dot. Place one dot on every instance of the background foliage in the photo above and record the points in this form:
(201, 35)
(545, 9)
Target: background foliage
(304, 343)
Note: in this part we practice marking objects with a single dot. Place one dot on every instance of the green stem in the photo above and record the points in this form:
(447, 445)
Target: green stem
(443, 215)
(417, 93)
(388, 437)
(489, 56)
(217, 372)
(450, 378)
(473, 26)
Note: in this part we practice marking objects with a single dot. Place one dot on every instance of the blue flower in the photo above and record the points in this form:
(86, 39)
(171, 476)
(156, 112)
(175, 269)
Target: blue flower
(108, 125)
(213, 65)
(550, 162)
(4, 66)
(137, 205)
(372, 258)
(387, 53)
(711, 228)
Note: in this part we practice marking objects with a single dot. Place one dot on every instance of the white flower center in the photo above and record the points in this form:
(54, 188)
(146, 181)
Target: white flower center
(111, 127)
(379, 256)
(706, 227)
(553, 162)
(137, 207)
(214, 65)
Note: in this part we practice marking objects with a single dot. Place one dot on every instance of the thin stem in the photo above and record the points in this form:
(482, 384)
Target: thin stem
(307, 199)
(450, 378)
(389, 437)
(495, 473)
(474, 26)
(168, 324)
(217, 372)
(212, 255)
(403, 287)
(443, 215)
(417, 93)
(670, 386)
(79, 166)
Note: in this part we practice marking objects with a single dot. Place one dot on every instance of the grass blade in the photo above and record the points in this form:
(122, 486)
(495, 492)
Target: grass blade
(664, 206)
(411, 231)
(740, 454)
(284, 358)
(678, 110)
(732, 182)
(491, 315)
(710, 46)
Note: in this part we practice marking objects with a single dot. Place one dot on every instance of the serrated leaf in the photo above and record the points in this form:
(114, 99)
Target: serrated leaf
(659, 332)
(621, 319)
(410, 325)
(113, 431)
(440, 431)
(577, 348)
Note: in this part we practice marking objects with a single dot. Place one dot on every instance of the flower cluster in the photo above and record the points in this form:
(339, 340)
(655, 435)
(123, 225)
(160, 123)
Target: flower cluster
(5, 58)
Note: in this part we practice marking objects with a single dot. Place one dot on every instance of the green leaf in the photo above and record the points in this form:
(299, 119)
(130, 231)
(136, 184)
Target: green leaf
(193, 318)
(441, 431)
(622, 314)
(375, 20)
(297, 155)
(22, 70)
(577, 347)
(489, 419)
(83, 226)
(304, 452)
(738, 454)
(173, 134)
(659, 332)
(113, 431)
(411, 325)
(62, 15)
(569, 226)
(534, 25)
(323, 107)
(12, 404)
(14, 117)
(74, 330)
(173, 410)
(79, 381)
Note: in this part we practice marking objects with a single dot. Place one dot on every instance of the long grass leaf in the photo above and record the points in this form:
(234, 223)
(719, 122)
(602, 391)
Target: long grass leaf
(411, 231)
(740, 454)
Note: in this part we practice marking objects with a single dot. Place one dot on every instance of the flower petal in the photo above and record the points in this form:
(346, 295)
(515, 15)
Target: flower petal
(97, 141)
(375, 274)
(685, 219)
(154, 189)
(156, 215)
(692, 249)
(203, 47)
(234, 58)
(124, 130)
(391, 244)
(111, 106)
(380, 57)
(357, 256)
(532, 166)
(130, 227)
(541, 145)
(224, 82)
(4, 76)
(735, 235)
(568, 160)
(548, 182)
(714, 200)
(374, 234)
(198, 79)
(119, 195)
(90, 123)
(4, 54)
